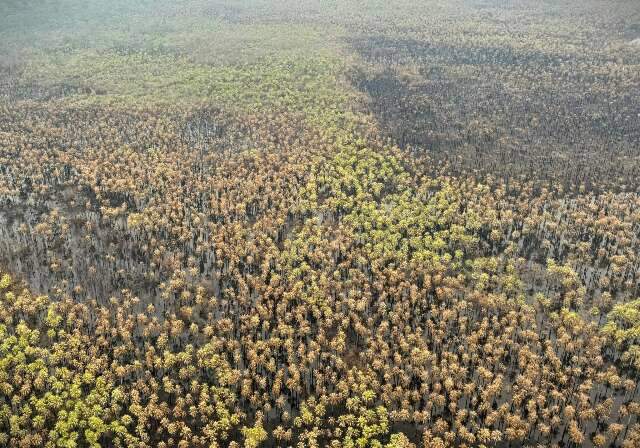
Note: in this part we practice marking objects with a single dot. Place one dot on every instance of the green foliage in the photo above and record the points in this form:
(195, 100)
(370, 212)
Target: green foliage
(5, 281)
(399, 440)
(224, 227)
(365, 428)
(288, 83)
(254, 436)
(623, 327)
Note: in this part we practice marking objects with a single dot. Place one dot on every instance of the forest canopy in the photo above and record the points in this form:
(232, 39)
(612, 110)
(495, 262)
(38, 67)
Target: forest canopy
(347, 224)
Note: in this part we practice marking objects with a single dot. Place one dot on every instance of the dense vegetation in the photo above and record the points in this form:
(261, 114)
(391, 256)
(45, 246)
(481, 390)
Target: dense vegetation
(307, 223)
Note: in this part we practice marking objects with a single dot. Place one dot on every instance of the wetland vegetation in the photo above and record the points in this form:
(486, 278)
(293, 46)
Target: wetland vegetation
(319, 224)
